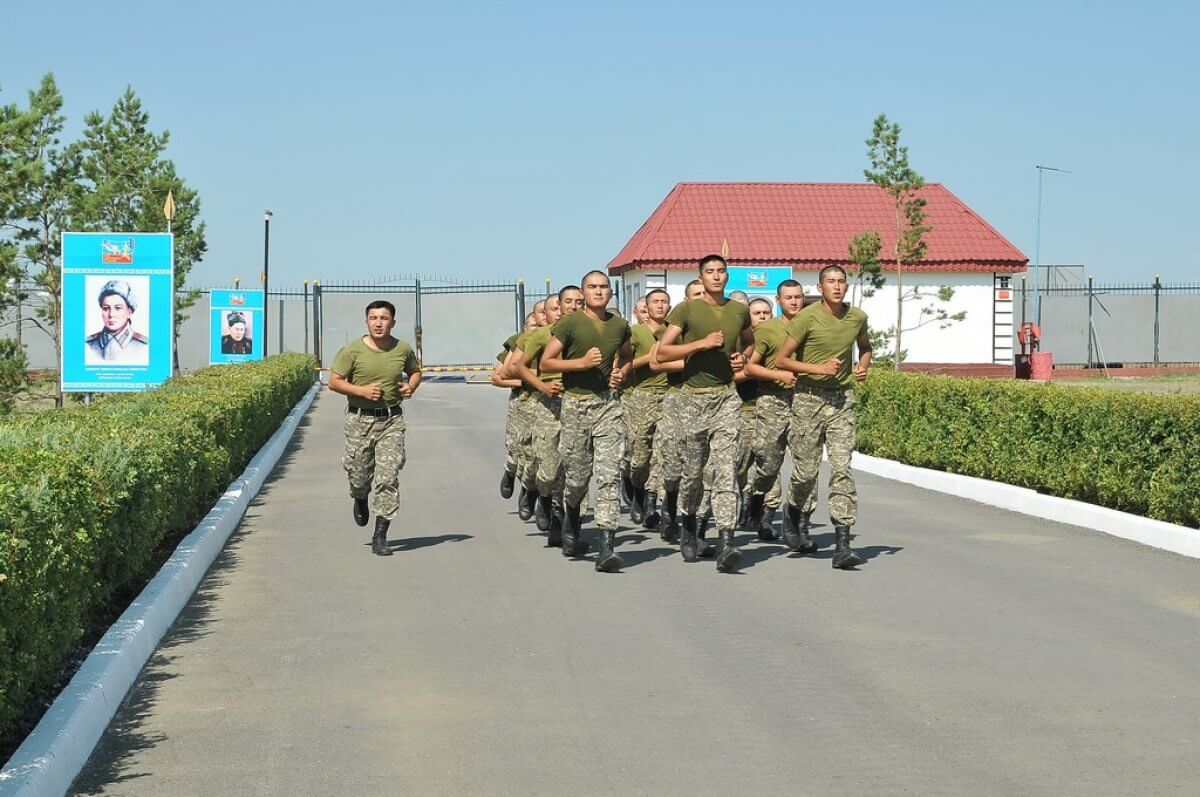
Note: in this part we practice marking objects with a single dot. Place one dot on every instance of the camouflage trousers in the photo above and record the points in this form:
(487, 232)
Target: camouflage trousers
(511, 434)
(668, 452)
(710, 448)
(593, 440)
(544, 413)
(373, 460)
(642, 410)
(769, 442)
(526, 471)
(823, 418)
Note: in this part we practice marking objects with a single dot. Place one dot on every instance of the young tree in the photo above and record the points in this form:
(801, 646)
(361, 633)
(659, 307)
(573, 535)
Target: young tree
(891, 172)
(868, 270)
(128, 178)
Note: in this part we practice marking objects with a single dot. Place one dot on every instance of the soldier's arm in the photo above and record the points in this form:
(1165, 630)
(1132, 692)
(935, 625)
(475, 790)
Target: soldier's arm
(788, 362)
(659, 366)
(668, 349)
(864, 355)
(340, 384)
(552, 359)
(530, 378)
(498, 378)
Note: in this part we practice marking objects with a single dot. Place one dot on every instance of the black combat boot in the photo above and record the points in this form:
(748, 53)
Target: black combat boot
(766, 531)
(361, 513)
(687, 538)
(795, 531)
(843, 557)
(506, 484)
(541, 512)
(572, 546)
(554, 533)
(650, 510)
(524, 508)
(626, 489)
(754, 512)
(668, 524)
(637, 505)
(704, 549)
(607, 560)
(729, 557)
(379, 545)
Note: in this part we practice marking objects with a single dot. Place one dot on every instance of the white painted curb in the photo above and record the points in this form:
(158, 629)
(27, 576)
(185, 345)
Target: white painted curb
(54, 753)
(1168, 536)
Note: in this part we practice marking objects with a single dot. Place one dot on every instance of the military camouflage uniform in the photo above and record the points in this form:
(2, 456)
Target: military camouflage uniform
(526, 467)
(768, 442)
(823, 418)
(642, 410)
(711, 437)
(511, 433)
(669, 452)
(544, 416)
(373, 460)
(593, 436)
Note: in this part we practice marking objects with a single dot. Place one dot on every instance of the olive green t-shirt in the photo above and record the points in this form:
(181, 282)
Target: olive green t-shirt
(822, 335)
(642, 338)
(698, 319)
(520, 343)
(533, 347)
(768, 340)
(508, 344)
(361, 365)
(579, 332)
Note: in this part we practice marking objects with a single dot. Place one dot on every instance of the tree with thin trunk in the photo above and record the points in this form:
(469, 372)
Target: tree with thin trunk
(891, 172)
(868, 270)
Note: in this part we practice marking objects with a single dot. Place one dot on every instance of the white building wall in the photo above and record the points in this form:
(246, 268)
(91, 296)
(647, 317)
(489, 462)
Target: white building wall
(967, 341)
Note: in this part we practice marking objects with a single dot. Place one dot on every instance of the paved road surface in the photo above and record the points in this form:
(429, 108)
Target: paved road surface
(976, 652)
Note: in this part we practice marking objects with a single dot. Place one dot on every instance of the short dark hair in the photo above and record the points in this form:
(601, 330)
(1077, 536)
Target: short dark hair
(787, 284)
(704, 261)
(566, 288)
(830, 267)
(758, 299)
(653, 291)
(690, 284)
(595, 271)
(382, 304)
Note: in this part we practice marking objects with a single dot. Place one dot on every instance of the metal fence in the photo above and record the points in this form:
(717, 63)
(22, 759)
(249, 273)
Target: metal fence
(1094, 324)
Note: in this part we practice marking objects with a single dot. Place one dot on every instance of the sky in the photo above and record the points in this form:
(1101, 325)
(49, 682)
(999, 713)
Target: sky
(502, 140)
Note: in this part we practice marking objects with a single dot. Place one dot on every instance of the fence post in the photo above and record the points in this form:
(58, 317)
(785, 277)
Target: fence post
(417, 331)
(306, 316)
(1157, 296)
(280, 326)
(1089, 323)
(547, 287)
(520, 305)
(318, 322)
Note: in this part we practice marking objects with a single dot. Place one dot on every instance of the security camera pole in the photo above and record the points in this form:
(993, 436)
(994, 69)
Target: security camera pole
(266, 275)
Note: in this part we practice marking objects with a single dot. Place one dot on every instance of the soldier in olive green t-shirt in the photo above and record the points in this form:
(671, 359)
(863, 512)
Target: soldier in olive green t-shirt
(641, 406)
(819, 349)
(511, 432)
(376, 373)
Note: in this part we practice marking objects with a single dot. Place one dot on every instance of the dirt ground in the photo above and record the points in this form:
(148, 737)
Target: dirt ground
(1183, 384)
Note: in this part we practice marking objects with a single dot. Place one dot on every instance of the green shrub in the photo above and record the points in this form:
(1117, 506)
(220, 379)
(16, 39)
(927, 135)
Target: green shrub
(1128, 451)
(88, 494)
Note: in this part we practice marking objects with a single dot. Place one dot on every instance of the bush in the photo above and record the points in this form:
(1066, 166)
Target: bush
(88, 494)
(1128, 451)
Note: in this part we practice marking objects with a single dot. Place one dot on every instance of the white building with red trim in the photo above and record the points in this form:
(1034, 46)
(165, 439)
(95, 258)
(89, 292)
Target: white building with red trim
(809, 225)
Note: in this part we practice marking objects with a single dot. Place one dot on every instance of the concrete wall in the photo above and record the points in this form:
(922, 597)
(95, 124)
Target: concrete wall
(1124, 326)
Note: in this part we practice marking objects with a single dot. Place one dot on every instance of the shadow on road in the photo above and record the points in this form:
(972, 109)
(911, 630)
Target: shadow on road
(413, 543)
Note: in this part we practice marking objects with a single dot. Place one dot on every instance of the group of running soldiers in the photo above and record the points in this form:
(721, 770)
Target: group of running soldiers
(687, 414)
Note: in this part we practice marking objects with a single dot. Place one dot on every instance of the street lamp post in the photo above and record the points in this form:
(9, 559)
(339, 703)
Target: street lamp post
(266, 275)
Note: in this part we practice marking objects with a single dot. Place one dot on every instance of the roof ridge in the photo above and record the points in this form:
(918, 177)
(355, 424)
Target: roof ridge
(840, 184)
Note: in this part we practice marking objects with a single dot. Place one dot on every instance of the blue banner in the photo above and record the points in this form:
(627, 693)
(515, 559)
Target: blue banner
(757, 280)
(236, 327)
(118, 309)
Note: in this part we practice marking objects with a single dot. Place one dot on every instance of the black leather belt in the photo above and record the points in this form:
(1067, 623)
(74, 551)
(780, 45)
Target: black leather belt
(377, 412)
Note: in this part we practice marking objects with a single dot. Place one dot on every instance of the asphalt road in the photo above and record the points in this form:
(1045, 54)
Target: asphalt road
(975, 652)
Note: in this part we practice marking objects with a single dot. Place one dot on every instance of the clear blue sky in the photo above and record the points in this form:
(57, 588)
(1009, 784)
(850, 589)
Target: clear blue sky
(513, 139)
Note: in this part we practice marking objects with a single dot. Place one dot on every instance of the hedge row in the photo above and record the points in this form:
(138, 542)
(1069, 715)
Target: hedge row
(1133, 452)
(88, 494)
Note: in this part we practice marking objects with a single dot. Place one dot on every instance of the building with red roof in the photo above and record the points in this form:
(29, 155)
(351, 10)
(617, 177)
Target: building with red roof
(806, 226)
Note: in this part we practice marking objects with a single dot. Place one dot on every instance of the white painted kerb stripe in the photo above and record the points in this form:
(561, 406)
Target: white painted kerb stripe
(52, 755)
(1168, 536)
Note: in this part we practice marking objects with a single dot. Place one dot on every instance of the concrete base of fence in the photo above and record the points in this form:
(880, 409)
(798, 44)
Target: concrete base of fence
(54, 753)
(1168, 536)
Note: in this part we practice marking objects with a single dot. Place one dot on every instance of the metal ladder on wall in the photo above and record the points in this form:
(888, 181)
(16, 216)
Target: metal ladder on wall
(1003, 328)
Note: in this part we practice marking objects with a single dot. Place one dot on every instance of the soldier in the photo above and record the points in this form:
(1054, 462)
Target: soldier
(772, 414)
(668, 438)
(526, 469)
(748, 389)
(641, 405)
(117, 342)
(821, 340)
(376, 372)
(639, 311)
(544, 406)
(511, 420)
(709, 335)
(521, 438)
(591, 350)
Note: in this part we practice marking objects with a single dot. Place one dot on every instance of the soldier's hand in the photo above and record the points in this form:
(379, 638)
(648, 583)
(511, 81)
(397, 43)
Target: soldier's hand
(738, 361)
(830, 367)
(405, 390)
(553, 389)
(372, 392)
(593, 357)
(714, 340)
(787, 379)
(615, 378)
(860, 372)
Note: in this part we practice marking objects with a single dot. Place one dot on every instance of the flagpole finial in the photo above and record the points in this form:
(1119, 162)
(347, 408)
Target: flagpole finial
(725, 248)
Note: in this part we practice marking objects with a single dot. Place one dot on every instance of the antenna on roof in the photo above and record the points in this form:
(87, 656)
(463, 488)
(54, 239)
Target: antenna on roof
(1037, 245)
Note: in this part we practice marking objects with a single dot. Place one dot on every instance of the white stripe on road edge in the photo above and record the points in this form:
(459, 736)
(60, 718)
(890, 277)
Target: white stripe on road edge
(1168, 536)
(54, 753)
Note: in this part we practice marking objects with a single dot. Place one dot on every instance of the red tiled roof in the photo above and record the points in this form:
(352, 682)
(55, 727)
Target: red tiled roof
(806, 223)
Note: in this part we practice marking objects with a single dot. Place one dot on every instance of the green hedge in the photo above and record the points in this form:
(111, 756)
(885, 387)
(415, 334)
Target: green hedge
(88, 494)
(1129, 451)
